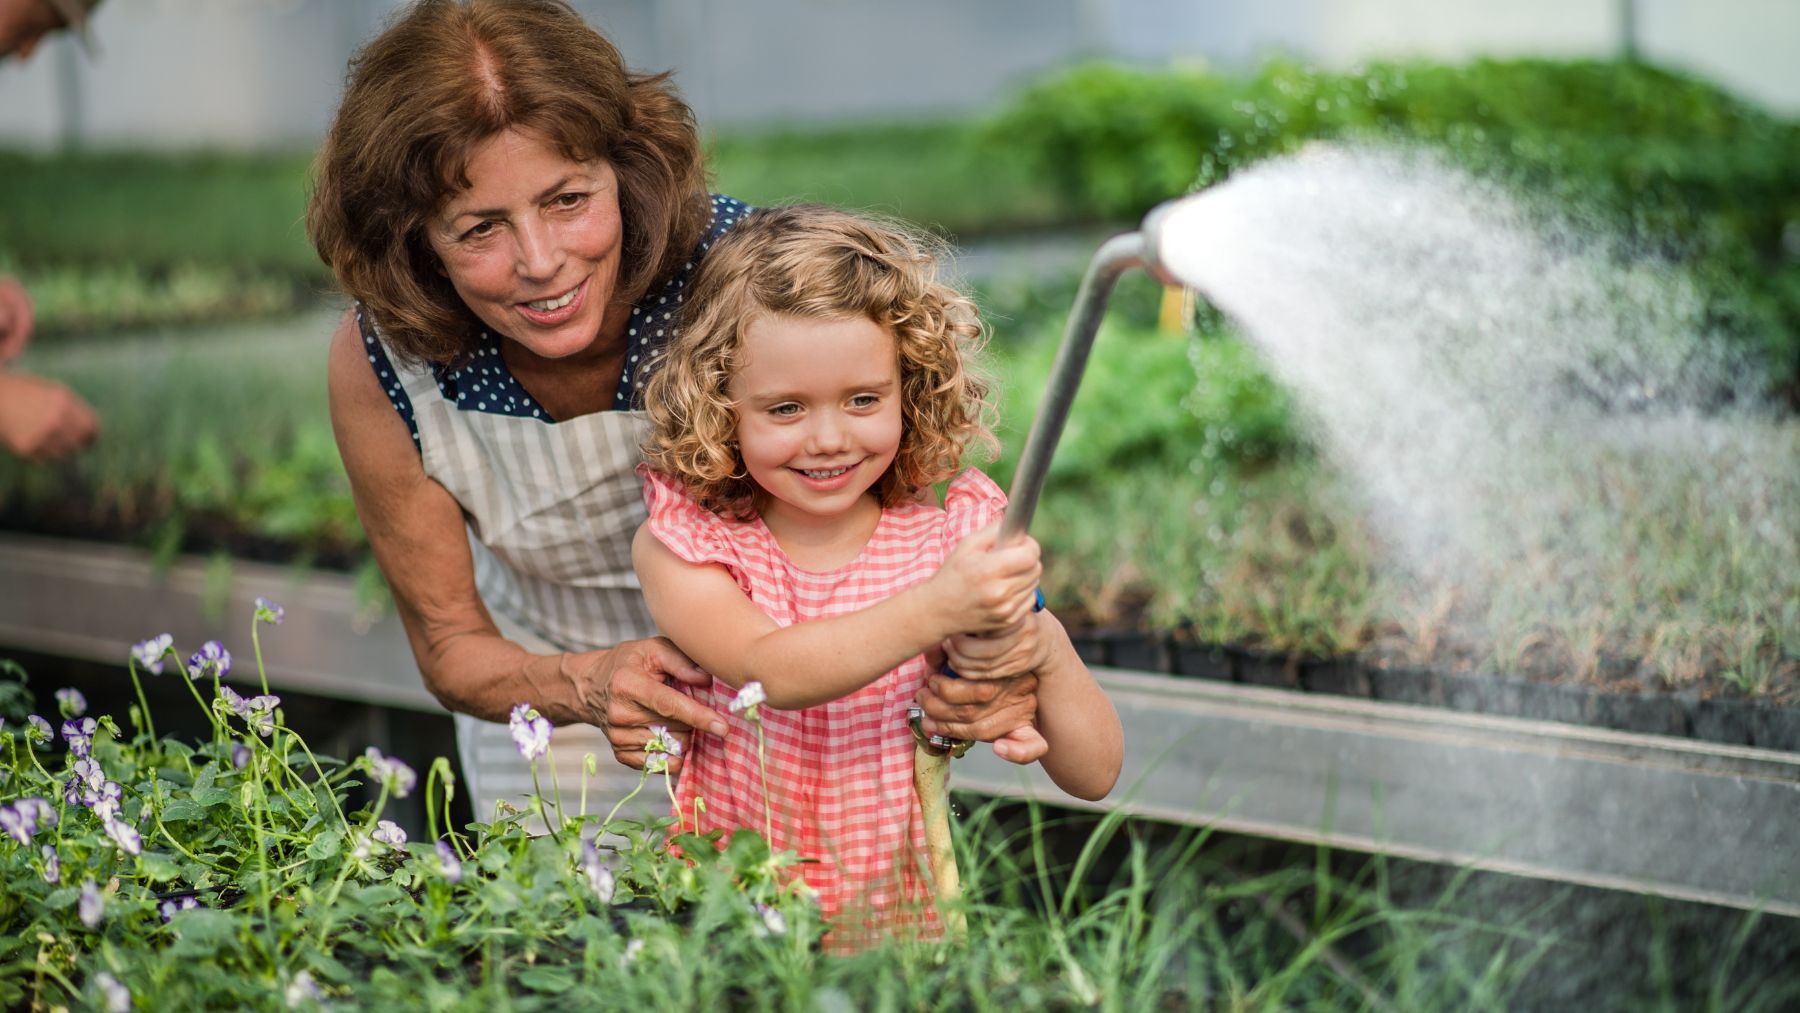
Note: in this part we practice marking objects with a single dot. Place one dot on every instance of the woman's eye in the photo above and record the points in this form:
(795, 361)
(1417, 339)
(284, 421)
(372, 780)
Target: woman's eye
(479, 230)
(569, 200)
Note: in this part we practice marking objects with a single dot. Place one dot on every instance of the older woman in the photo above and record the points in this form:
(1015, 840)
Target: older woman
(517, 216)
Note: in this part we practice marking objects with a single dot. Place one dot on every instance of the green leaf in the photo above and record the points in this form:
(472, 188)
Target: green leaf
(159, 867)
(326, 845)
(61, 898)
(215, 796)
(547, 979)
(182, 809)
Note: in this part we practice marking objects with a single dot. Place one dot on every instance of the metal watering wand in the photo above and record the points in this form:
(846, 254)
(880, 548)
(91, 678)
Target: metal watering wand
(1158, 246)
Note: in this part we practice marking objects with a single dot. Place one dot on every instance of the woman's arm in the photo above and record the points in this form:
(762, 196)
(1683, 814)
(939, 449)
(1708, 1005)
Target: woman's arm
(701, 608)
(416, 531)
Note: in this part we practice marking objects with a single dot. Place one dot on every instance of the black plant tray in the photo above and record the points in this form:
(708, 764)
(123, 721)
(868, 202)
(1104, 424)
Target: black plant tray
(1620, 706)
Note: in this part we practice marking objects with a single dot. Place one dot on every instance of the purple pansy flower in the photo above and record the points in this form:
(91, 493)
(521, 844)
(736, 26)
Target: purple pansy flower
(79, 734)
(269, 612)
(388, 832)
(149, 653)
(175, 905)
(124, 835)
(448, 864)
(117, 996)
(23, 818)
(92, 905)
(212, 659)
(598, 872)
(37, 729)
(391, 771)
(530, 731)
(52, 864)
(70, 702)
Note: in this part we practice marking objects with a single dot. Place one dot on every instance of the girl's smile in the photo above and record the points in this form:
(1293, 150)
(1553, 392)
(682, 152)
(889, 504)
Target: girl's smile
(818, 406)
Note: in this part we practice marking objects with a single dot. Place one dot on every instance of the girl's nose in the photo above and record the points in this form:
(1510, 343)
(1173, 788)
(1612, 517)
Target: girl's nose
(829, 434)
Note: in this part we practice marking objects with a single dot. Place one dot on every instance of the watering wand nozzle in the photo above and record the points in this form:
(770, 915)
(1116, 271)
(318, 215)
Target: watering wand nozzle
(1149, 248)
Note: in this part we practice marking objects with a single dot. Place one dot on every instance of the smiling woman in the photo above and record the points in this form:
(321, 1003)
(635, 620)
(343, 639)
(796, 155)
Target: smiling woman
(517, 217)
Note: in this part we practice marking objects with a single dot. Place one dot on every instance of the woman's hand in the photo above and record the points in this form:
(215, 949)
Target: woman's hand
(627, 689)
(1001, 711)
(983, 586)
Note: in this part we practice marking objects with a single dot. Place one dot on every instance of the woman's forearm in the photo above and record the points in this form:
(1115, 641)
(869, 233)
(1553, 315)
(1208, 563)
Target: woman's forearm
(486, 675)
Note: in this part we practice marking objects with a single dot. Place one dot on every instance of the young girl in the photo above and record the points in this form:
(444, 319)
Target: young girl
(815, 394)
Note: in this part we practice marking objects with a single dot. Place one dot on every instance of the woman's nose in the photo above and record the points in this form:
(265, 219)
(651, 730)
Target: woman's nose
(539, 254)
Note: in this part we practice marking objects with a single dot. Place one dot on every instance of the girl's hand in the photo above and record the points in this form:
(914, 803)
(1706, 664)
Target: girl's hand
(1023, 745)
(1018, 649)
(983, 587)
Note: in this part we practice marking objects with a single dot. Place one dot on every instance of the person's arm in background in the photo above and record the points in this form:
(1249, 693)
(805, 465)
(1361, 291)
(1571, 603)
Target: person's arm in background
(416, 530)
(40, 419)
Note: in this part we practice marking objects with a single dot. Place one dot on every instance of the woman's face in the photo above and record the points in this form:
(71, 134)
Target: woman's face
(532, 246)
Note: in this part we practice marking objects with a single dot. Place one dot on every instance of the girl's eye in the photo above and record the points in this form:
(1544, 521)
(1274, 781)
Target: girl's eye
(785, 410)
(864, 400)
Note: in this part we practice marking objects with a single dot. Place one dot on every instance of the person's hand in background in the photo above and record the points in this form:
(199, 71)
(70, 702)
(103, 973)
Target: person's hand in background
(40, 419)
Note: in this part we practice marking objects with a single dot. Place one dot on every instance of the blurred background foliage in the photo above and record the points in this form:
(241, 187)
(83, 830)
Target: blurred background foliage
(1186, 492)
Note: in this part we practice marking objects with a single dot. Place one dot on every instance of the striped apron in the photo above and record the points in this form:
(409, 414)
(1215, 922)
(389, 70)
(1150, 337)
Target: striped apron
(551, 511)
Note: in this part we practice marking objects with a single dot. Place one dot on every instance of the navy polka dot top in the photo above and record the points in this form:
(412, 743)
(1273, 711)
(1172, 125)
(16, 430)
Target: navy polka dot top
(484, 384)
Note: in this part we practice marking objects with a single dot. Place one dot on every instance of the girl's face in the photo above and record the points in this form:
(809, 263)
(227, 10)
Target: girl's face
(818, 406)
(532, 246)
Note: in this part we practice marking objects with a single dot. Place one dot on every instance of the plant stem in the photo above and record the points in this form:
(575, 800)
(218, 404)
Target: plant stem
(143, 704)
(762, 764)
(537, 801)
(643, 777)
(256, 646)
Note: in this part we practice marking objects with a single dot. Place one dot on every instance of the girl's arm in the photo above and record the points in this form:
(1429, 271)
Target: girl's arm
(1087, 746)
(701, 608)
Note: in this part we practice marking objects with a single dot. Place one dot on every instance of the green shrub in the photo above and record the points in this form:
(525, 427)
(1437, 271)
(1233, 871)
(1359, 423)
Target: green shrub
(1675, 165)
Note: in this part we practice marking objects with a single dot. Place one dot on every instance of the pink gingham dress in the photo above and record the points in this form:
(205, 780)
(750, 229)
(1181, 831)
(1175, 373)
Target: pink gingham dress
(840, 773)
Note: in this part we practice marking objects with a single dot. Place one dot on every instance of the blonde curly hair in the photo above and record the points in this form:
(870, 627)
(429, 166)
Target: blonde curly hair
(817, 262)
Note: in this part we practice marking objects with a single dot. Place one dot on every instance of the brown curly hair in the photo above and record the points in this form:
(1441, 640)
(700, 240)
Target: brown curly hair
(817, 262)
(442, 78)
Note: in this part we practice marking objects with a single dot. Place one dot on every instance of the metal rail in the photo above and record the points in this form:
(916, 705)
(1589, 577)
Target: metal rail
(1650, 814)
(91, 602)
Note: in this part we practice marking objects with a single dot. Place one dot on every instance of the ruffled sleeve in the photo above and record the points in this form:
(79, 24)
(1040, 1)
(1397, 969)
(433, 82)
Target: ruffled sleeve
(691, 531)
(972, 501)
